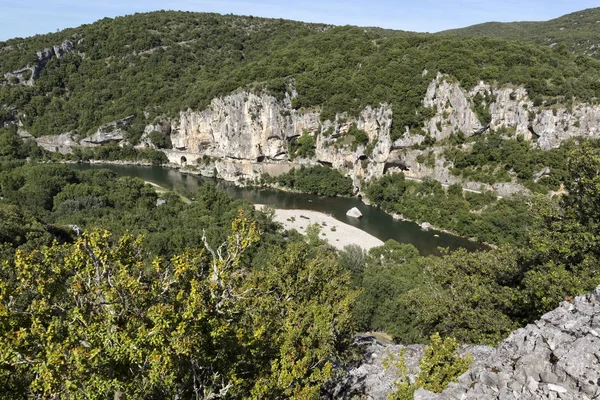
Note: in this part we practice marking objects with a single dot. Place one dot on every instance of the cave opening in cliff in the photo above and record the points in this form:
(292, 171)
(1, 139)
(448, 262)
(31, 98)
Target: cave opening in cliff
(183, 160)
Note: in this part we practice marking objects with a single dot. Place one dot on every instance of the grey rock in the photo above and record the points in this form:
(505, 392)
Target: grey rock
(422, 394)
(43, 57)
(247, 134)
(556, 357)
(426, 226)
(556, 388)
(113, 132)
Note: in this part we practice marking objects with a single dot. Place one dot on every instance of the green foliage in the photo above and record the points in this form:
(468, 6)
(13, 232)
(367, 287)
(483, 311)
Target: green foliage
(481, 297)
(482, 108)
(12, 148)
(576, 32)
(158, 64)
(439, 366)
(160, 140)
(494, 158)
(474, 215)
(317, 180)
(303, 147)
(93, 319)
(116, 153)
(388, 272)
(561, 259)
(360, 136)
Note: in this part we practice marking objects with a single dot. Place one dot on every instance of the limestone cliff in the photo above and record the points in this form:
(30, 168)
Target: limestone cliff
(244, 135)
(509, 108)
(247, 128)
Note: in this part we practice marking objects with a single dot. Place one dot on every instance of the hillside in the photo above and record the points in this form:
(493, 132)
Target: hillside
(578, 32)
(161, 63)
(113, 288)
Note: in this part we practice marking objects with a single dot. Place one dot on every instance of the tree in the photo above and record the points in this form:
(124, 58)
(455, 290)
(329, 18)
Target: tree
(561, 259)
(439, 366)
(93, 319)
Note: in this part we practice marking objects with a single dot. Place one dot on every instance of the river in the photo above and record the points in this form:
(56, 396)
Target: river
(374, 221)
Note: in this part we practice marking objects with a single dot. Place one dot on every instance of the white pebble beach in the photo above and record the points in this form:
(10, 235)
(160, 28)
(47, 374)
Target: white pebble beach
(336, 233)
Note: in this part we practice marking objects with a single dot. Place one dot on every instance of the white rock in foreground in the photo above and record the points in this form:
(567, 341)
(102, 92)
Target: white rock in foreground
(354, 213)
(426, 226)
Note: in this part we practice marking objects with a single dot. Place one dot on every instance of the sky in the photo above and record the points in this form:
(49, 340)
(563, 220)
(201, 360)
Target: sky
(22, 18)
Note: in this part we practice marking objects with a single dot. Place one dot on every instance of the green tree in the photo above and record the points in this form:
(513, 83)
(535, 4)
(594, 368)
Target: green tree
(439, 366)
(94, 319)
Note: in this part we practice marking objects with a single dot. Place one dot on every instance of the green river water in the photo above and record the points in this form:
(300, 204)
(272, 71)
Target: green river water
(374, 221)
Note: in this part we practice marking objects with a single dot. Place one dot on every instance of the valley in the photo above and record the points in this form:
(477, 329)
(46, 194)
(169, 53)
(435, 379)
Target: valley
(174, 189)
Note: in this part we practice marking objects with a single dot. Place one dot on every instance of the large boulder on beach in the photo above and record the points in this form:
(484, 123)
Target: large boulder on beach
(354, 213)
(426, 226)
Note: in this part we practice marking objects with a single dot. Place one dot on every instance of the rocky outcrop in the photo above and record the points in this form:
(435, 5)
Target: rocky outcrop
(375, 374)
(354, 213)
(557, 357)
(409, 162)
(370, 379)
(63, 143)
(509, 108)
(257, 128)
(243, 126)
(113, 132)
(243, 132)
(27, 75)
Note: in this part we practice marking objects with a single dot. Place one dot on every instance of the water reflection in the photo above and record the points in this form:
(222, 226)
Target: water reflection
(374, 221)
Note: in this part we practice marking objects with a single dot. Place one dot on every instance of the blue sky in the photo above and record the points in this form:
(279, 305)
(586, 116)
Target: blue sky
(21, 18)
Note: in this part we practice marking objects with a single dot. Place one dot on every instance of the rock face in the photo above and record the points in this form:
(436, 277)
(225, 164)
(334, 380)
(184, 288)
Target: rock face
(27, 75)
(557, 357)
(370, 379)
(508, 108)
(426, 226)
(354, 213)
(113, 132)
(63, 143)
(257, 128)
(245, 134)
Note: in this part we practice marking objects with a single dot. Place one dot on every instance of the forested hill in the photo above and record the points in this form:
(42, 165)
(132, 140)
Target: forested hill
(157, 64)
(578, 32)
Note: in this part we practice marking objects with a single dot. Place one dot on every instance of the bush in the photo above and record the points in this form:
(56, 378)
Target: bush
(317, 180)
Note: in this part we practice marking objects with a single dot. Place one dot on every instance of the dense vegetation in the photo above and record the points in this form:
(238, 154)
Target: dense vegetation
(107, 292)
(481, 297)
(496, 157)
(268, 307)
(319, 180)
(576, 32)
(149, 65)
(243, 308)
(480, 216)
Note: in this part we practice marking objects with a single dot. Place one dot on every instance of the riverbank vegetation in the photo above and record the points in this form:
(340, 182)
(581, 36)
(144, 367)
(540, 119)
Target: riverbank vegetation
(98, 249)
(501, 157)
(480, 216)
(481, 297)
(317, 179)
